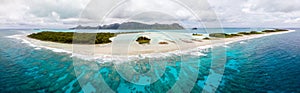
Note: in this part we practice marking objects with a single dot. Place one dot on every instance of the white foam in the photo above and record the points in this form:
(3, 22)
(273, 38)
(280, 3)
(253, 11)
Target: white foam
(22, 40)
(242, 42)
(198, 54)
(226, 46)
(37, 47)
(56, 49)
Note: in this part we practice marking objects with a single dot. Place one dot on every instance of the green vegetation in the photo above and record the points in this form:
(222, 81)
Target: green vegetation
(269, 31)
(223, 35)
(250, 33)
(276, 30)
(71, 37)
(143, 40)
(195, 34)
(244, 33)
(220, 35)
(233, 35)
(163, 43)
(255, 32)
(206, 38)
(281, 30)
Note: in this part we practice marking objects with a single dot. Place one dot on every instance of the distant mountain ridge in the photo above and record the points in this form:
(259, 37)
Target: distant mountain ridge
(133, 26)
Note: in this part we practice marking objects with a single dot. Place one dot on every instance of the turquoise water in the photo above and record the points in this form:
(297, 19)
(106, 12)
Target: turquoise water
(267, 64)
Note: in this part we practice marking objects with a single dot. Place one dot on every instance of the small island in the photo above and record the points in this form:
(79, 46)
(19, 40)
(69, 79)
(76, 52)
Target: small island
(143, 40)
(206, 38)
(196, 34)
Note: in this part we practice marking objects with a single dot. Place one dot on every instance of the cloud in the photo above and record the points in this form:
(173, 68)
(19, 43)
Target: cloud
(65, 8)
(274, 5)
(39, 13)
(257, 13)
(154, 10)
(68, 13)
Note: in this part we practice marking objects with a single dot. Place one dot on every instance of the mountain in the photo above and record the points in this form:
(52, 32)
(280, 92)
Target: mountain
(133, 26)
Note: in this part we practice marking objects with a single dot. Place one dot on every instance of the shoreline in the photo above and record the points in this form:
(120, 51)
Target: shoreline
(118, 51)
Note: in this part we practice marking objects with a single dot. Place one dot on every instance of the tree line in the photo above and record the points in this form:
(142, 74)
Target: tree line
(73, 37)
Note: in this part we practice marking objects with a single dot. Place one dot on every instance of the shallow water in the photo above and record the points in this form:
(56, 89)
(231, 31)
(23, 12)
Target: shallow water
(267, 64)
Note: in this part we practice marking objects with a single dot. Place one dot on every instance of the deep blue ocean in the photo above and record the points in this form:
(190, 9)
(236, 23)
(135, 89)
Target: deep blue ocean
(267, 64)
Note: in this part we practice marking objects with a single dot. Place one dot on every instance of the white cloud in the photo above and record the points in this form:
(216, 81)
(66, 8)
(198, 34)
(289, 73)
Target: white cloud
(38, 13)
(257, 13)
(68, 13)
(274, 5)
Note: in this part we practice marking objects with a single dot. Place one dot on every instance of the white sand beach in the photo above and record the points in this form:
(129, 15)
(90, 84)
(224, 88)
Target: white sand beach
(125, 44)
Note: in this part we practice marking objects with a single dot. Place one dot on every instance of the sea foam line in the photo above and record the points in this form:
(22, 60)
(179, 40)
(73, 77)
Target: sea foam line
(37, 47)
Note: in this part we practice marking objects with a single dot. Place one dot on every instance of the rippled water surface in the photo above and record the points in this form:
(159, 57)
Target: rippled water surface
(267, 64)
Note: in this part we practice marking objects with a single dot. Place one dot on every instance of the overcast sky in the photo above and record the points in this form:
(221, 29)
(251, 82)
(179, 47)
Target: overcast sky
(69, 13)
